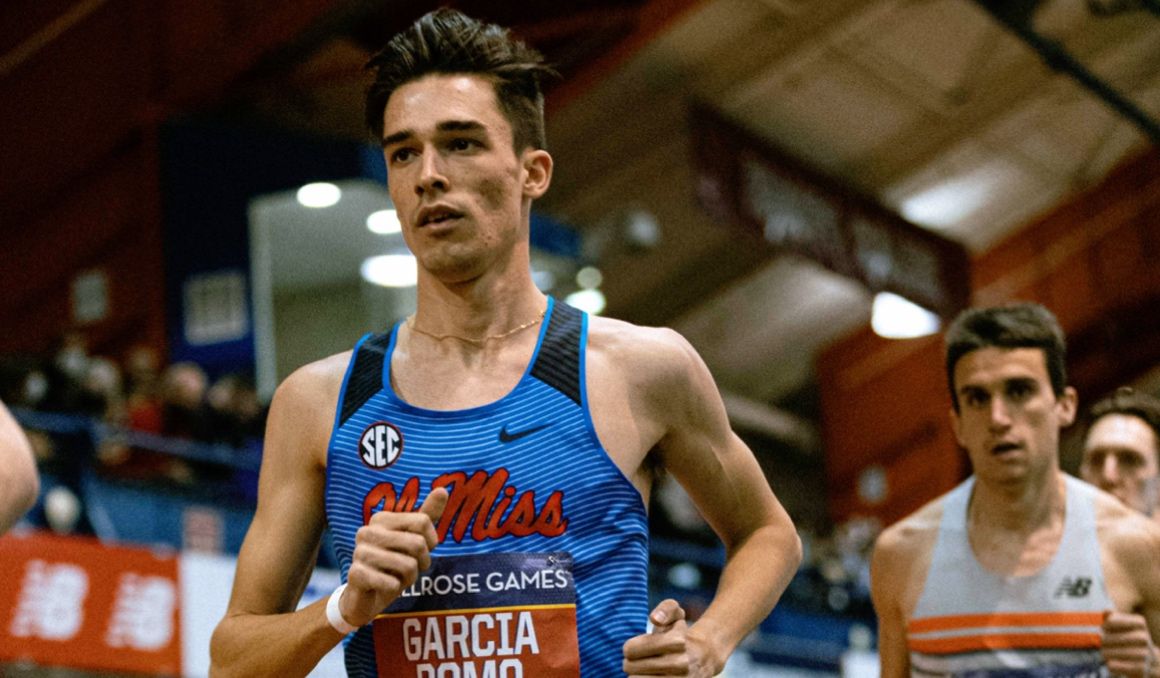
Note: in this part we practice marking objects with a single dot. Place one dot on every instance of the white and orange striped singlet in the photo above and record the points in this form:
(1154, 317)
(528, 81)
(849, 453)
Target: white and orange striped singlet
(972, 623)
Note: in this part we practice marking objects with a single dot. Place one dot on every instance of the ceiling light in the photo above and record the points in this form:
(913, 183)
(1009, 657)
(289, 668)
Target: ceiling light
(591, 301)
(391, 270)
(319, 194)
(642, 231)
(589, 277)
(894, 317)
(384, 222)
(949, 202)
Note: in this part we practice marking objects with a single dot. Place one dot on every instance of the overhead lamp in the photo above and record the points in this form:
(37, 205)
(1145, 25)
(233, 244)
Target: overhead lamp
(391, 270)
(895, 317)
(947, 203)
(384, 222)
(589, 277)
(319, 194)
(591, 301)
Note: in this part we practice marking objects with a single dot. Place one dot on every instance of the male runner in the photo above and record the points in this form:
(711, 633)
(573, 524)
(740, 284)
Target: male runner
(1121, 450)
(527, 433)
(1021, 570)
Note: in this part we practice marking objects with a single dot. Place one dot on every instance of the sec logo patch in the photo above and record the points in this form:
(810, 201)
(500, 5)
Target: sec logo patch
(380, 445)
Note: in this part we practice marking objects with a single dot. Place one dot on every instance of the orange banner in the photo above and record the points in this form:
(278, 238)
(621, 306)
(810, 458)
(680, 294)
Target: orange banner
(74, 602)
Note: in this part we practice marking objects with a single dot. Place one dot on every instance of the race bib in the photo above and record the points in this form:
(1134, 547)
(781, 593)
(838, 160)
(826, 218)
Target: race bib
(494, 615)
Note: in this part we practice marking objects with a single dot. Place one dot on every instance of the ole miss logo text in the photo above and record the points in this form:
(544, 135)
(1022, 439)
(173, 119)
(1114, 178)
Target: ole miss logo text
(482, 504)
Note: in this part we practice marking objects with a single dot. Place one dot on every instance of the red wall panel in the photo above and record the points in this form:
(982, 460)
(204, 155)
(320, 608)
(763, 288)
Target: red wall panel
(109, 222)
(1092, 261)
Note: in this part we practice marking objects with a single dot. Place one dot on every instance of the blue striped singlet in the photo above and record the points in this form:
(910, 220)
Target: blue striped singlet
(527, 476)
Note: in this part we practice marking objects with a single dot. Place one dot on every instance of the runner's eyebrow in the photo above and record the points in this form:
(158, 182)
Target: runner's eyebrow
(397, 137)
(460, 126)
(445, 126)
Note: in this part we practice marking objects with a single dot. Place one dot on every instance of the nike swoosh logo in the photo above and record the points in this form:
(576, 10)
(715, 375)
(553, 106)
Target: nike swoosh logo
(505, 437)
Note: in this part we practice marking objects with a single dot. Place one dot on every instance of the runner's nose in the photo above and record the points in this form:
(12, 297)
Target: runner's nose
(1110, 471)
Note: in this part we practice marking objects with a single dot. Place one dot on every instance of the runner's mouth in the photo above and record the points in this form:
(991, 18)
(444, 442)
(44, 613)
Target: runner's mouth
(438, 215)
(1003, 448)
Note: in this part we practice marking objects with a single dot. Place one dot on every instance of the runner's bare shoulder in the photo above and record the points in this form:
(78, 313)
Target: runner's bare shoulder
(651, 356)
(305, 403)
(318, 381)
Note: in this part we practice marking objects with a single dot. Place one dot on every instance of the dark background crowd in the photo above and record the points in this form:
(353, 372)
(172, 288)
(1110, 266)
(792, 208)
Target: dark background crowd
(140, 410)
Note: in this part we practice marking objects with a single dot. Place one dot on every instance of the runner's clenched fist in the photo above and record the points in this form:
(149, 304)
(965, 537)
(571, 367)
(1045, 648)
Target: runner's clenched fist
(390, 551)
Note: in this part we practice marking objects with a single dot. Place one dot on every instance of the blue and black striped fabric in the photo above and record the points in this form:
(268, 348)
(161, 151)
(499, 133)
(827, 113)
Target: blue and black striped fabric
(531, 454)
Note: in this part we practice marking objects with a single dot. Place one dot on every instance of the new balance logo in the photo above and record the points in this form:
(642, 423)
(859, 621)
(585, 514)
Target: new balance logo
(506, 436)
(1074, 588)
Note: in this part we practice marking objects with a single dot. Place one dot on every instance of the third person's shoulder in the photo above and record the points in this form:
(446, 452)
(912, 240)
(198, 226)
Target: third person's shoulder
(1133, 538)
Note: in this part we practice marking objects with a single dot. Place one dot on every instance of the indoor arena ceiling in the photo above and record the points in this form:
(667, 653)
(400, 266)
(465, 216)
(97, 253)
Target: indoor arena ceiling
(930, 107)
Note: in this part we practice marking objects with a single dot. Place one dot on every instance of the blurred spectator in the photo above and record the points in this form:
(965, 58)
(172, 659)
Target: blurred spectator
(183, 402)
(72, 359)
(102, 394)
(23, 382)
(1121, 450)
(176, 407)
(834, 578)
(854, 540)
(234, 414)
(65, 374)
(142, 374)
(34, 389)
(175, 404)
(178, 411)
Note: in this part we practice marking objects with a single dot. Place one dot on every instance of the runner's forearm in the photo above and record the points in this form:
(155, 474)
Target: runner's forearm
(272, 645)
(756, 573)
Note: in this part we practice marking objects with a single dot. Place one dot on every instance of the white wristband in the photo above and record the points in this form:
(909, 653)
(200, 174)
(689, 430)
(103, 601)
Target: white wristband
(334, 615)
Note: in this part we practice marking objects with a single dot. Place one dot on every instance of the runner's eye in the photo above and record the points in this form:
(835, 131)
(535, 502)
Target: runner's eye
(401, 155)
(975, 398)
(1130, 461)
(1020, 390)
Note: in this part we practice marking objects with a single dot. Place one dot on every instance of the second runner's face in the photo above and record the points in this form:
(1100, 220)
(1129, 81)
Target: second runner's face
(1009, 417)
(1120, 456)
(461, 191)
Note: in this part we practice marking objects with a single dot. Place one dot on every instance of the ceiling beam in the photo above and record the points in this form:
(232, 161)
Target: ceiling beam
(593, 20)
(651, 20)
(999, 93)
(1058, 59)
(46, 35)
